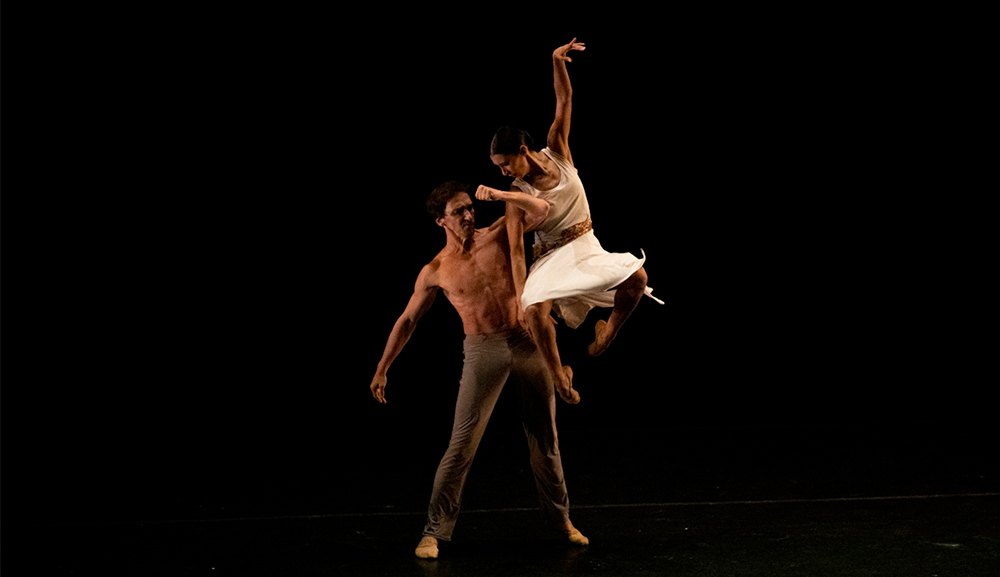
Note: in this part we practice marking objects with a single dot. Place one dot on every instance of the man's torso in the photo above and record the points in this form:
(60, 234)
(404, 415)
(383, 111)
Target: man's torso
(479, 283)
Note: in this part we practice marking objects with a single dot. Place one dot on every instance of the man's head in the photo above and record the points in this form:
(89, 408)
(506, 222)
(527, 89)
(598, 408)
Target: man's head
(451, 206)
(509, 151)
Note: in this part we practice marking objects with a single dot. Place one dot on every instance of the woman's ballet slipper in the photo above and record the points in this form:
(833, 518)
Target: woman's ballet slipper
(595, 349)
(569, 394)
(427, 548)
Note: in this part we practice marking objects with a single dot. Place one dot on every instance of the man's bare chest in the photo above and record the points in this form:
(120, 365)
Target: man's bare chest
(471, 274)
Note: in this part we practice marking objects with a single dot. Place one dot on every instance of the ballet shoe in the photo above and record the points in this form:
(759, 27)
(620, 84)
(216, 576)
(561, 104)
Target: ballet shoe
(569, 394)
(596, 349)
(575, 537)
(427, 548)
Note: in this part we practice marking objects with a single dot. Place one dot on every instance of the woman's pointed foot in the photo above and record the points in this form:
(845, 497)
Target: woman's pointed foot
(600, 344)
(565, 387)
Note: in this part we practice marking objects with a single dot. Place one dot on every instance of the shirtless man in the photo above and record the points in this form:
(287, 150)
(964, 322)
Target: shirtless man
(473, 270)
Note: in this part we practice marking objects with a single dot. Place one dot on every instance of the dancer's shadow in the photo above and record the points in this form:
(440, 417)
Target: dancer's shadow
(434, 567)
(532, 556)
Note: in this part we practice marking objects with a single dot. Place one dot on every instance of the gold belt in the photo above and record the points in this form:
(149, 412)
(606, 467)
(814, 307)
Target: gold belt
(567, 236)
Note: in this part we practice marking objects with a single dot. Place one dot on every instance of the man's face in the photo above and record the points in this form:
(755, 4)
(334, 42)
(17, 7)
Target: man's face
(513, 165)
(459, 216)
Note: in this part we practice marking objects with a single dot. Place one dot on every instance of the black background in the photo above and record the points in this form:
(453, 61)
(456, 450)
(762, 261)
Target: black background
(225, 216)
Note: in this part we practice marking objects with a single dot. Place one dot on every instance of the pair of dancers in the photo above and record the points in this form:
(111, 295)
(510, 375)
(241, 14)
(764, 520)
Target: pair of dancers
(482, 272)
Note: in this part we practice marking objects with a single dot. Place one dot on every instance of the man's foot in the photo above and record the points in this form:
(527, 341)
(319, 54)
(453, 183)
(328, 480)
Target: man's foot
(576, 537)
(428, 548)
(599, 345)
(565, 387)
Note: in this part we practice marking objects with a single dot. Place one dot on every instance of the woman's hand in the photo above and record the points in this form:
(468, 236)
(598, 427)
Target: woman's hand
(561, 52)
(486, 193)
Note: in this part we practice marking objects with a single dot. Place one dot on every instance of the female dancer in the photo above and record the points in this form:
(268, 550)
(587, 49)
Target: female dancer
(571, 273)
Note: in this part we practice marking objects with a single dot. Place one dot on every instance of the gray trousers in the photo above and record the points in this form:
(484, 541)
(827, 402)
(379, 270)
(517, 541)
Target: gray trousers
(489, 361)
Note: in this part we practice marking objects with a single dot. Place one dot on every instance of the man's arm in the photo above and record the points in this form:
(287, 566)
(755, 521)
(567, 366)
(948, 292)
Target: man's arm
(558, 138)
(423, 297)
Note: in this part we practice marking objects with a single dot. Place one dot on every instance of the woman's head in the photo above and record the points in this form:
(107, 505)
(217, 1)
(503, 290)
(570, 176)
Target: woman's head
(508, 140)
(509, 151)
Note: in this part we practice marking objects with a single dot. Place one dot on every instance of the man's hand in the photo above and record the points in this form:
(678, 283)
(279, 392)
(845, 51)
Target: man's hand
(378, 388)
(486, 193)
(561, 52)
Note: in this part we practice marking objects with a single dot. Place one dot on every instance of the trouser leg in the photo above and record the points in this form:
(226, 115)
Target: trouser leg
(536, 399)
(486, 368)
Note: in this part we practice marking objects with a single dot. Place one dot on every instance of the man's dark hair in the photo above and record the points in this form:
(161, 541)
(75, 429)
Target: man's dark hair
(440, 196)
(508, 140)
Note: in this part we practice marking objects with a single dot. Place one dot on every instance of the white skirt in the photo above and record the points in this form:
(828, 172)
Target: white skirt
(578, 277)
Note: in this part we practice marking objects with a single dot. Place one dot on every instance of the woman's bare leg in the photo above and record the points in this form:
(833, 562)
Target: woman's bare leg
(543, 332)
(627, 297)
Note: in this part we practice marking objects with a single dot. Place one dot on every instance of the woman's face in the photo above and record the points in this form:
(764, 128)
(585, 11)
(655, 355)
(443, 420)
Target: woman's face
(513, 165)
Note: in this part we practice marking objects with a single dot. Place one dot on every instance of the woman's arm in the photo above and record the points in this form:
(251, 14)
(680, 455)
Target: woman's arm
(558, 137)
(518, 263)
(534, 209)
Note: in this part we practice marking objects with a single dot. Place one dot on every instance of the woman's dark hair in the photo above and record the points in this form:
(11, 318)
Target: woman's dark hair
(508, 140)
(440, 196)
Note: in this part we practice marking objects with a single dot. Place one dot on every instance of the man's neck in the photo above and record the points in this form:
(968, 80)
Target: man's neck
(461, 244)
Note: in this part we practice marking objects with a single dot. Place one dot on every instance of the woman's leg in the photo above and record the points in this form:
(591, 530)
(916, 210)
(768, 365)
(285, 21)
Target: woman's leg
(627, 297)
(543, 331)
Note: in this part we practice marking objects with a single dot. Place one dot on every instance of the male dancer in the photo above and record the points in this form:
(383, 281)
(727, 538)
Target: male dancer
(473, 270)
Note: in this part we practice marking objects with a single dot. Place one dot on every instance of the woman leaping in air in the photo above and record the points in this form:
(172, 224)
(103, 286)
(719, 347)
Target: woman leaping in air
(571, 273)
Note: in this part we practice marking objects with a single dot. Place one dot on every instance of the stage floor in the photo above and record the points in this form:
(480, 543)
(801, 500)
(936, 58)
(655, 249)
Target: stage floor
(955, 535)
(853, 503)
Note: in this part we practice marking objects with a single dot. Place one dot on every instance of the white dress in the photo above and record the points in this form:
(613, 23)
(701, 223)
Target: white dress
(571, 267)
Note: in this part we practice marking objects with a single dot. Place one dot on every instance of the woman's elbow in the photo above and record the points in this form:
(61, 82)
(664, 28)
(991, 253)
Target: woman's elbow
(535, 218)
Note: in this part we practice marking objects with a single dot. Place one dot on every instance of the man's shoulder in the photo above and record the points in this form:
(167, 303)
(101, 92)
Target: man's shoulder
(435, 264)
(500, 224)
(428, 276)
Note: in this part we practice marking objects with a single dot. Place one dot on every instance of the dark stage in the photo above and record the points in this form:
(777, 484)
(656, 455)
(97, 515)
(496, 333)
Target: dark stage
(204, 317)
(847, 500)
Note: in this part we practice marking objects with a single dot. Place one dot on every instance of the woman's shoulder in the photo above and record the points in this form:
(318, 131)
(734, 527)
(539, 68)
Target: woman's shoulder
(559, 159)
